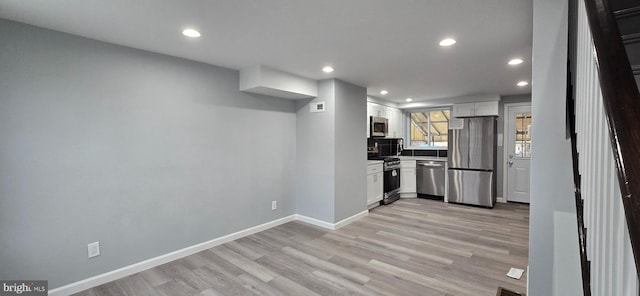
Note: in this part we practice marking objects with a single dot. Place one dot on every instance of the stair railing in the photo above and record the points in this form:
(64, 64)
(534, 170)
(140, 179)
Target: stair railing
(622, 111)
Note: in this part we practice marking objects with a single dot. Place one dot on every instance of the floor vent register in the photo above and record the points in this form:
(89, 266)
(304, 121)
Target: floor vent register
(506, 292)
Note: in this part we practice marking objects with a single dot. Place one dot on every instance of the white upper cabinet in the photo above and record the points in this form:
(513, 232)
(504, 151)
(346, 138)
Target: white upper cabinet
(487, 108)
(475, 109)
(378, 110)
(369, 112)
(464, 110)
(393, 114)
(395, 122)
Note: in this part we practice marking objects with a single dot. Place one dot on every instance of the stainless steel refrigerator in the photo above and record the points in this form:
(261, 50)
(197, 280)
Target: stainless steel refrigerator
(472, 161)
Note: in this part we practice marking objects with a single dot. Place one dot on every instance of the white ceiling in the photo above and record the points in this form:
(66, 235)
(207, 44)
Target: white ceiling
(378, 44)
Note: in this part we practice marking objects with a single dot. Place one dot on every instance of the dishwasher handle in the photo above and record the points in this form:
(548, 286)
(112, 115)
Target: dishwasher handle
(431, 165)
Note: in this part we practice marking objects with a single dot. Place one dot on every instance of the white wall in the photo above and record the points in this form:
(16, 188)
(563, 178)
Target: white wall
(551, 167)
(143, 152)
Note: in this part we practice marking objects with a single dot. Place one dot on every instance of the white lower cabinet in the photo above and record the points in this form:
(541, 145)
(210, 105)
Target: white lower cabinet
(408, 178)
(375, 184)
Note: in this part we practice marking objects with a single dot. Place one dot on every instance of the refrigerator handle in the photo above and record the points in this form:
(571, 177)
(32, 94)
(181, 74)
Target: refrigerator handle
(469, 143)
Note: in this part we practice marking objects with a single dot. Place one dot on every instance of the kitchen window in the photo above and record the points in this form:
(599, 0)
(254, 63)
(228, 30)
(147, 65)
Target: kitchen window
(429, 128)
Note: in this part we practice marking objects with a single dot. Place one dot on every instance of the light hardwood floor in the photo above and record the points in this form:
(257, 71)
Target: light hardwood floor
(411, 247)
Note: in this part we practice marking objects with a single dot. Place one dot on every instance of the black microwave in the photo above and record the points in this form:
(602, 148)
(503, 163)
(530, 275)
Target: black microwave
(379, 126)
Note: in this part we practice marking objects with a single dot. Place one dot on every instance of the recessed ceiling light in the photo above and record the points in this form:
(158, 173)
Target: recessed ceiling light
(384, 92)
(515, 62)
(191, 33)
(523, 83)
(409, 99)
(327, 69)
(447, 42)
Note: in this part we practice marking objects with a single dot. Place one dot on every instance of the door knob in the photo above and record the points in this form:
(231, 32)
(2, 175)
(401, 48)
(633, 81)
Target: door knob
(510, 162)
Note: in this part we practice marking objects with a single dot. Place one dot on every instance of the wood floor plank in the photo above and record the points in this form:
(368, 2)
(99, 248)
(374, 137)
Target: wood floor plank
(369, 247)
(220, 282)
(175, 287)
(425, 246)
(218, 263)
(243, 263)
(410, 252)
(155, 276)
(349, 287)
(258, 287)
(411, 247)
(210, 292)
(326, 265)
(417, 278)
(243, 250)
(292, 288)
(135, 285)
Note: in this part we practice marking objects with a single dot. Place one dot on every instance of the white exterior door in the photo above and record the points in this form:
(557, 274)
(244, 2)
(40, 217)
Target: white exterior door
(518, 152)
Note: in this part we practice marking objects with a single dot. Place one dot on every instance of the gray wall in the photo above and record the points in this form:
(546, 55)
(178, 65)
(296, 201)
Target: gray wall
(330, 179)
(551, 168)
(500, 158)
(351, 153)
(315, 142)
(143, 152)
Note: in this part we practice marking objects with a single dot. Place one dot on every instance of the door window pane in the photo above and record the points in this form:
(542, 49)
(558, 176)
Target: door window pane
(430, 128)
(523, 135)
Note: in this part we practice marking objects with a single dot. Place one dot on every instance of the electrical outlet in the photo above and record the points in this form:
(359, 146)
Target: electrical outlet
(93, 249)
(274, 205)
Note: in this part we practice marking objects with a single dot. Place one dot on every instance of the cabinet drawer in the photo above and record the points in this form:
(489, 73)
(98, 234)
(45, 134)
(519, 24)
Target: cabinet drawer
(407, 164)
(374, 168)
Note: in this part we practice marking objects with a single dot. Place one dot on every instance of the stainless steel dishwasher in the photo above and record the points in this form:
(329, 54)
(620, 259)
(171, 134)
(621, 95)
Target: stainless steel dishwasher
(430, 178)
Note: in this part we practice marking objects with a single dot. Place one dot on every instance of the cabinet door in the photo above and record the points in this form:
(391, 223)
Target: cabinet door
(408, 180)
(368, 124)
(379, 110)
(463, 110)
(370, 112)
(486, 108)
(371, 189)
(392, 119)
(395, 122)
(379, 187)
(375, 188)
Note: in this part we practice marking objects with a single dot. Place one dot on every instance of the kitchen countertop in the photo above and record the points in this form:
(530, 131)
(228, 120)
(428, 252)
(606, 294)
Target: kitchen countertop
(372, 162)
(423, 158)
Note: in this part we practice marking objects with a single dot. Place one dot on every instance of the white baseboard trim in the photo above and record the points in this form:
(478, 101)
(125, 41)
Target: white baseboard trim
(501, 199)
(162, 259)
(348, 220)
(314, 221)
(527, 279)
(331, 226)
